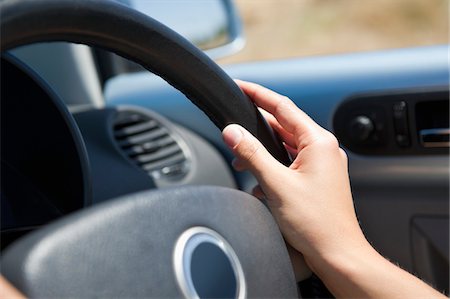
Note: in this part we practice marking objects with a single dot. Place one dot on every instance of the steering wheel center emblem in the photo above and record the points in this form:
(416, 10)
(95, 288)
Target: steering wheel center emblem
(206, 266)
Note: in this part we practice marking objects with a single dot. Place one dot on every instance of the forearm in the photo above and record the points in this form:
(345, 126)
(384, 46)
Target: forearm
(363, 273)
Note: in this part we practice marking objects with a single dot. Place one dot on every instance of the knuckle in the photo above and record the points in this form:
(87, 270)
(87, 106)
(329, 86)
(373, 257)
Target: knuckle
(343, 154)
(329, 142)
(248, 150)
(298, 128)
(282, 104)
(286, 100)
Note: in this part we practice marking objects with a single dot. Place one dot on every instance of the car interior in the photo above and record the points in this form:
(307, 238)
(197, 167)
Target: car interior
(115, 180)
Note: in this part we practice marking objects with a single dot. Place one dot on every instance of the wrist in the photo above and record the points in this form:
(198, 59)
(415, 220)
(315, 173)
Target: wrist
(342, 271)
(343, 256)
(348, 242)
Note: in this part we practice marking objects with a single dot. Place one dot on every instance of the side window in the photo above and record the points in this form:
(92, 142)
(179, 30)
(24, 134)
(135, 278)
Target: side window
(277, 29)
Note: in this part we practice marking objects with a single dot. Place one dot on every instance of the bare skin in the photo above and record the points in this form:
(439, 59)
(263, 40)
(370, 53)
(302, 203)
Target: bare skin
(7, 291)
(312, 202)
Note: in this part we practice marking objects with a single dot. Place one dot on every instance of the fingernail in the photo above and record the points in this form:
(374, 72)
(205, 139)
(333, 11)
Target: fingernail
(232, 135)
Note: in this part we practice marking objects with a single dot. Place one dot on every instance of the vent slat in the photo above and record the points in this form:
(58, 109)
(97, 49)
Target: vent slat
(158, 155)
(143, 137)
(134, 129)
(150, 146)
(160, 164)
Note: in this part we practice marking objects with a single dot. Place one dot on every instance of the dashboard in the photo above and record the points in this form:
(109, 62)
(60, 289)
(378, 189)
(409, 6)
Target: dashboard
(148, 135)
(55, 162)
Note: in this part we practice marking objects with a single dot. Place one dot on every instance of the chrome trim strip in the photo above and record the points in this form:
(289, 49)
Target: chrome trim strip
(434, 132)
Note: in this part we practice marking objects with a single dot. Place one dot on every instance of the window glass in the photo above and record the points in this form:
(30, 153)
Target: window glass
(291, 28)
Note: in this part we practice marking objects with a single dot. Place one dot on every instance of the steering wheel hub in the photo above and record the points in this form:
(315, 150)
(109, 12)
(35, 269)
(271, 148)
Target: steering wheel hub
(206, 266)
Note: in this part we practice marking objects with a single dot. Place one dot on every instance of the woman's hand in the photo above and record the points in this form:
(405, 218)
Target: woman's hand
(311, 201)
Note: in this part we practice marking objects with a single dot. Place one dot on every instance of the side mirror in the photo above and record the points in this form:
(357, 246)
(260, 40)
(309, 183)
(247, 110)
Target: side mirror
(213, 25)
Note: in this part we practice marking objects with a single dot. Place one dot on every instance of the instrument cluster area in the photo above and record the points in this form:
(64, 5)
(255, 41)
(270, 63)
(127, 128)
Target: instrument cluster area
(54, 162)
(44, 167)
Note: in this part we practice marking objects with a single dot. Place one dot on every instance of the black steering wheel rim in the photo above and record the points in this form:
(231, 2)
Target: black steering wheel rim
(117, 28)
(135, 36)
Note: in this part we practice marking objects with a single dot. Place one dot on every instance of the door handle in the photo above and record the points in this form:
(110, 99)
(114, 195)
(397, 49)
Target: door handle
(437, 137)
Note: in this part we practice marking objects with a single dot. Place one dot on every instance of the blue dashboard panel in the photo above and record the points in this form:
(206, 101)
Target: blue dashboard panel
(317, 84)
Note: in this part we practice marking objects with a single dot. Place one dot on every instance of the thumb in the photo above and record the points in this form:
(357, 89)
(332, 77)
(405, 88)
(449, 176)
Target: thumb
(249, 151)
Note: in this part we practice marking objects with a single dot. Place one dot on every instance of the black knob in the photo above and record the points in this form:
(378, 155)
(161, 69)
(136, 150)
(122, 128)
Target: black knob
(361, 128)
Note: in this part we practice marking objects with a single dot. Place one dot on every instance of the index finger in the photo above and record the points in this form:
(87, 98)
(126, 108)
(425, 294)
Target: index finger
(282, 108)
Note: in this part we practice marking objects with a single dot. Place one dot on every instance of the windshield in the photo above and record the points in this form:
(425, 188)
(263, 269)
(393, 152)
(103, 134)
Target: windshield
(291, 28)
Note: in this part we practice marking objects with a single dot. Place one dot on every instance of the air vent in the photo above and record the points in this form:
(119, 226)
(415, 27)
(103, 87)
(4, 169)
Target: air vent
(151, 145)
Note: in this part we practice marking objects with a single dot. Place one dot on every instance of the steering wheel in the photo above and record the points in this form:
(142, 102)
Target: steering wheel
(186, 241)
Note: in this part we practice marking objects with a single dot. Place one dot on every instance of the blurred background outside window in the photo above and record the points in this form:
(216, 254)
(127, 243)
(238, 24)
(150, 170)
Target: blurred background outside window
(291, 28)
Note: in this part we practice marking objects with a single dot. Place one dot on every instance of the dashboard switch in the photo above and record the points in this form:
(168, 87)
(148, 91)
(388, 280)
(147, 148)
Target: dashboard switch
(361, 128)
(401, 128)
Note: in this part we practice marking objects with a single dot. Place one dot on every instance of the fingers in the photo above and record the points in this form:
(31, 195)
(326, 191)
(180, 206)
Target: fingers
(250, 153)
(287, 137)
(290, 117)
